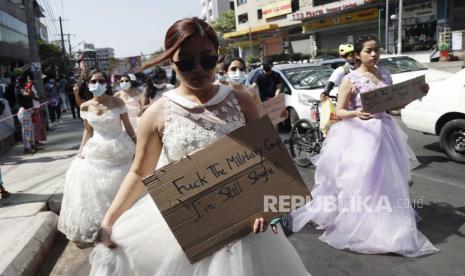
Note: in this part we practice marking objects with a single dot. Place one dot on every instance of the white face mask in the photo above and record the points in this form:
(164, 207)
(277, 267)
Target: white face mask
(236, 77)
(159, 86)
(221, 77)
(125, 85)
(97, 89)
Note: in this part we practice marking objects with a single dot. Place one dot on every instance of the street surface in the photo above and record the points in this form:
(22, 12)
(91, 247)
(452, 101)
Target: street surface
(438, 183)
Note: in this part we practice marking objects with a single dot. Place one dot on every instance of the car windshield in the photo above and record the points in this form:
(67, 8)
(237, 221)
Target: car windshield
(308, 77)
(401, 64)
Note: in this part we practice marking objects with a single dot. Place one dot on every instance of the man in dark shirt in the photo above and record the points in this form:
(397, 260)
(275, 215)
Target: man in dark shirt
(267, 81)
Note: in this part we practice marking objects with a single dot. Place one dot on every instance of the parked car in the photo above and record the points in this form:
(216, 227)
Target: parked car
(442, 113)
(304, 82)
(302, 85)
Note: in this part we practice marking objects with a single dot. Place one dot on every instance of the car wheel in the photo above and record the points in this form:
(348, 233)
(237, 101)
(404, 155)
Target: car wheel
(452, 139)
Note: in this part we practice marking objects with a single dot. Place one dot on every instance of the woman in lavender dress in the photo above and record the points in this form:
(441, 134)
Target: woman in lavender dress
(361, 193)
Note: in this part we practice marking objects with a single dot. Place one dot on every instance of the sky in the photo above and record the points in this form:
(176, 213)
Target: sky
(128, 26)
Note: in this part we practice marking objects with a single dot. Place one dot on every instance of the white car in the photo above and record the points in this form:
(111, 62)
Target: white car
(303, 83)
(442, 112)
(302, 86)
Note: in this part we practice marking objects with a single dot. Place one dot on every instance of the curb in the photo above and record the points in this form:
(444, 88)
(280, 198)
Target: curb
(29, 251)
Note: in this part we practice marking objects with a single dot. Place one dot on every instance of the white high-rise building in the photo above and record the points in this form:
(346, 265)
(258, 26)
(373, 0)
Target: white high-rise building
(211, 9)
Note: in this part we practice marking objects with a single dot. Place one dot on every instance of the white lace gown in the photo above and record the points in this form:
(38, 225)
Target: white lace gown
(92, 183)
(146, 245)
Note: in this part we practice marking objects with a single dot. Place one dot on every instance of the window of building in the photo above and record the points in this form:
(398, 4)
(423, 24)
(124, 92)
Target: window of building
(240, 2)
(259, 14)
(243, 18)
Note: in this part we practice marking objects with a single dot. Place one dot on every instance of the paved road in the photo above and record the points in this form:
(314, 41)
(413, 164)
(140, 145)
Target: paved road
(438, 183)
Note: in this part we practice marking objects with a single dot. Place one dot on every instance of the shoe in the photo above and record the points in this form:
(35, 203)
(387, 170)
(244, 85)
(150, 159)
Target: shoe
(29, 151)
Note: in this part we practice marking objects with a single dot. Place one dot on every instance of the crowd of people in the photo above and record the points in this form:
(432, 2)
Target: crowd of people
(129, 132)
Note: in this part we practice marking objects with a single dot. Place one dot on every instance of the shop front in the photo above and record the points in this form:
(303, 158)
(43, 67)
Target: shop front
(419, 25)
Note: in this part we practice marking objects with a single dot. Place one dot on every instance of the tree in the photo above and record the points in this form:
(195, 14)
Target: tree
(225, 23)
(51, 58)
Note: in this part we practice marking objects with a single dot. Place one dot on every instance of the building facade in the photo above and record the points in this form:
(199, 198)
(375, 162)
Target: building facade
(262, 27)
(212, 9)
(104, 56)
(317, 26)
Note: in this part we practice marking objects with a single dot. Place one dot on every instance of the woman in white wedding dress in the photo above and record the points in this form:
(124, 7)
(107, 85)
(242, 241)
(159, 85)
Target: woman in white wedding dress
(105, 157)
(135, 239)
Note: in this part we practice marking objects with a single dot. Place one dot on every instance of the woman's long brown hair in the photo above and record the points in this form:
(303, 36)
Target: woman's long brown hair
(181, 31)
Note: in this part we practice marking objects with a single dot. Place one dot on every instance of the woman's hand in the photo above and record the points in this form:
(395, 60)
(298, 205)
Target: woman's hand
(424, 88)
(259, 225)
(81, 155)
(363, 115)
(104, 236)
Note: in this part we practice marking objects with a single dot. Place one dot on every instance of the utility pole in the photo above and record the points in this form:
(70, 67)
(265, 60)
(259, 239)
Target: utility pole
(386, 44)
(63, 49)
(34, 47)
(69, 44)
(399, 21)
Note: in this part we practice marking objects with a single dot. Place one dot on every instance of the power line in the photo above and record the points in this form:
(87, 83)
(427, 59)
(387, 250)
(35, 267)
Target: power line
(49, 17)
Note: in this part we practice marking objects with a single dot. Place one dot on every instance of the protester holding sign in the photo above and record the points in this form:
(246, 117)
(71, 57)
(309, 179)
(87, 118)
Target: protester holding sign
(188, 118)
(105, 155)
(365, 159)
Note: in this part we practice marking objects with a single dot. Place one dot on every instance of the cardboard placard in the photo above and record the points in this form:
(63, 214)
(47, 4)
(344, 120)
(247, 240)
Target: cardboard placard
(386, 98)
(274, 108)
(213, 196)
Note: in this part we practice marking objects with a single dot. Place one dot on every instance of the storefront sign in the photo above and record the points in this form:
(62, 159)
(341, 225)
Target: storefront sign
(211, 197)
(327, 9)
(277, 8)
(341, 19)
(457, 41)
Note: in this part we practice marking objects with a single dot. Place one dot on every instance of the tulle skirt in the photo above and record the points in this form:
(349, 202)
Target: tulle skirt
(146, 246)
(361, 193)
(91, 185)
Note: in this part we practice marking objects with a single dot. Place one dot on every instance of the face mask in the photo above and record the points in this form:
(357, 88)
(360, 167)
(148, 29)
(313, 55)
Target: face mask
(221, 77)
(125, 85)
(236, 77)
(97, 89)
(159, 86)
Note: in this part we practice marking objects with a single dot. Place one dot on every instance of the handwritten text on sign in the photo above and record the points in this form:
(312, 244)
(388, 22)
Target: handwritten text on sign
(274, 108)
(212, 197)
(393, 96)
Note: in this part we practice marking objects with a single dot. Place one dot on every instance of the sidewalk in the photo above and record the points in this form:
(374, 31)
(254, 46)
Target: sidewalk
(448, 66)
(28, 217)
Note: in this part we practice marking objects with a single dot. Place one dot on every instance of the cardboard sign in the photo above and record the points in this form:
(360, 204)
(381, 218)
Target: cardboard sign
(389, 97)
(212, 197)
(274, 108)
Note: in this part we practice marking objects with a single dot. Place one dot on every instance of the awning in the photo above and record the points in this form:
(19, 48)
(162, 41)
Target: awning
(259, 29)
(245, 43)
(340, 20)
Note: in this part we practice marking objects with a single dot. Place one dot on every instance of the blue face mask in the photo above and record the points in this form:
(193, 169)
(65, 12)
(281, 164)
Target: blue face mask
(98, 89)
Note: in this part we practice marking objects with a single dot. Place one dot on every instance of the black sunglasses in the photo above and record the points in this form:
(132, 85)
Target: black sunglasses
(207, 62)
(99, 81)
(235, 68)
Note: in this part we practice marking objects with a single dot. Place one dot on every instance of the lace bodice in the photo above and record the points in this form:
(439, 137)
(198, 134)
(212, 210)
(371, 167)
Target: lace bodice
(189, 126)
(361, 84)
(106, 125)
